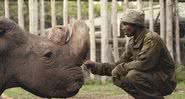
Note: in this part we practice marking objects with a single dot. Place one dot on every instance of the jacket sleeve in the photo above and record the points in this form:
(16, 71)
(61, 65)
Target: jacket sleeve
(148, 57)
(106, 68)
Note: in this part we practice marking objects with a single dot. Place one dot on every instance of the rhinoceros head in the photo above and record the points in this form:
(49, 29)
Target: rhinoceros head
(40, 65)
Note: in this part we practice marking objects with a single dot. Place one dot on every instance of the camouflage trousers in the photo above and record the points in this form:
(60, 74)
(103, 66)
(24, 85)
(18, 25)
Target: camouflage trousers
(138, 84)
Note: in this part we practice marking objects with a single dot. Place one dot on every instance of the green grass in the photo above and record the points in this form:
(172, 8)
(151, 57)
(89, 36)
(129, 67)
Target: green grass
(19, 93)
(95, 89)
(101, 89)
(179, 93)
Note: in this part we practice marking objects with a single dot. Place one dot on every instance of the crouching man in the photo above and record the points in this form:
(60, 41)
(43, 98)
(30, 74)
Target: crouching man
(145, 70)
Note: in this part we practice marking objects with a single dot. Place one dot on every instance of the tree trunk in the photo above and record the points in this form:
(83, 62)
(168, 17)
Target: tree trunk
(21, 13)
(65, 12)
(115, 32)
(151, 15)
(92, 34)
(139, 4)
(42, 18)
(78, 10)
(104, 34)
(7, 13)
(33, 16)
(53, 14)
(177, 32)
(169, 26)
(163, 20)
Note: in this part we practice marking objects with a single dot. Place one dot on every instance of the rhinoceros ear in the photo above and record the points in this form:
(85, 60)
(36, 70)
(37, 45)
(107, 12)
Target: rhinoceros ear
(3, 25)
(6, 26)
(58, 35)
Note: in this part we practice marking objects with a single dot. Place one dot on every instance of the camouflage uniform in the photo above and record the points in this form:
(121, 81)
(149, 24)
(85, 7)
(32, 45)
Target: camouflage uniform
(144, 69)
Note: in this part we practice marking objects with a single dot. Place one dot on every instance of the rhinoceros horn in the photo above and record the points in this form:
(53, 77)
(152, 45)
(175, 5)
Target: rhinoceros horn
(75, 36)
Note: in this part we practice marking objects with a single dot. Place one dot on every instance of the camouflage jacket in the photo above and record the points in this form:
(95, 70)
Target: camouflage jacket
(147, 53)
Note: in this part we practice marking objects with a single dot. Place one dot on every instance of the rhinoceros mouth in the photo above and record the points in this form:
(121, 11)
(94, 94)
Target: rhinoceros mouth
(74, 87)
(68, 89)
(72, 93)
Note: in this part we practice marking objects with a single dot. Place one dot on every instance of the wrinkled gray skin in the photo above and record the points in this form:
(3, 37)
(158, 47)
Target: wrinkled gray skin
(39, 65)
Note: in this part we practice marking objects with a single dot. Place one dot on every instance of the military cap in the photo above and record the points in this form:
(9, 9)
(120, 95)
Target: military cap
(133, 17)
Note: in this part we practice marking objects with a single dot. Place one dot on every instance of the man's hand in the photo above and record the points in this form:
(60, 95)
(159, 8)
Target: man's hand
(119, 71)
(89, 64)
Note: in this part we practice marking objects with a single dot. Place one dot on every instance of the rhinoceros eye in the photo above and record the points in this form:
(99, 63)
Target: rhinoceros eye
(2, 32)
(48, 54)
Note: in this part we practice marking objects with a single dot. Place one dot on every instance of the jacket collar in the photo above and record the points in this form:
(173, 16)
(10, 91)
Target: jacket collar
(139, 40)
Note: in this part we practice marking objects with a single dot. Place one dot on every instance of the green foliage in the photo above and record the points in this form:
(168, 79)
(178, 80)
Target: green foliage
(96, 10)
(120, 8)
(1, 8)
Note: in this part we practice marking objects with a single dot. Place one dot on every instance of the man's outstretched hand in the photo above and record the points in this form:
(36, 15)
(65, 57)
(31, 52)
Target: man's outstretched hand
(89, 64)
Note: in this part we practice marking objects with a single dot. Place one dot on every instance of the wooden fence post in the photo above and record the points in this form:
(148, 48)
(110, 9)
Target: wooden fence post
(33, 16)
(92, 34)
(53, 14)
(151, 26)
(169, 26)
(78, 9)
(163, 20)
(104, 34)
(42, 18)
(21, 13)
(115, 30)
(65, 12)
(177, 32)
(7, 13)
